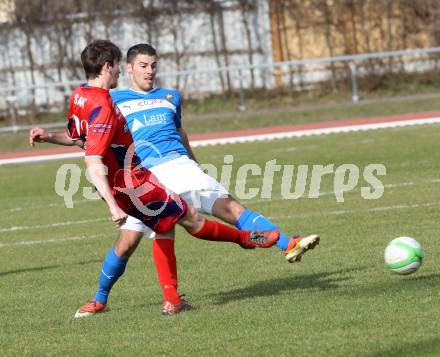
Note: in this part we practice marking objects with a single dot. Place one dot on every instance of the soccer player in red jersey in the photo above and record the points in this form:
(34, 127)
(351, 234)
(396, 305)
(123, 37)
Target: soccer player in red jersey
(95, 124)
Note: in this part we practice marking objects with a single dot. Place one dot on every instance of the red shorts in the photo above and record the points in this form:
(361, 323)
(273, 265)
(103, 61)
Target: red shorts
(150, 202)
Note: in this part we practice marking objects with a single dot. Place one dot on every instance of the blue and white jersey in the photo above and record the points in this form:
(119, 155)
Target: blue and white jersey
(153, 118)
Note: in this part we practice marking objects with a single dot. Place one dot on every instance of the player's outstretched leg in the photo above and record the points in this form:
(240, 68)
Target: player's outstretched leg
(202, 228)
(112, 269)
(293, 248)
(166, 267)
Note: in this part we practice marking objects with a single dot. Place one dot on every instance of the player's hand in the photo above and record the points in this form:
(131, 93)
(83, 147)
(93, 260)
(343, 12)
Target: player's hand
(118, 216)
(37, 135)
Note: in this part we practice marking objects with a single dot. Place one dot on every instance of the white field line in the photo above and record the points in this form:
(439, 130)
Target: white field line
(52, 225)
(42, 158)
(374, 209)
(47, 241)
(37, 207)
(304, 215)
(251, 138)
(328, 193)
(320, 131)
(251, 201)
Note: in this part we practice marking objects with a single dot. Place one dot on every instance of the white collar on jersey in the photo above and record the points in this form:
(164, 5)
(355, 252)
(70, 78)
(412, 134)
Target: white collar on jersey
(142, 92)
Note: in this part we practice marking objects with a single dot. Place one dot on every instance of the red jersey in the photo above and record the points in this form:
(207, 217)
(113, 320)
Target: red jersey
(103, 130)
(94, 119)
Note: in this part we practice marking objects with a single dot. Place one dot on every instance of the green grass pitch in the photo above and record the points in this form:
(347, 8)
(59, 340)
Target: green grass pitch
(339, 301)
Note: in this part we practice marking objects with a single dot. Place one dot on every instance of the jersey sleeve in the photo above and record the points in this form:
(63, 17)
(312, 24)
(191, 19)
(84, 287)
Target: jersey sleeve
(178, 114)
(101, 131)
(71, 128)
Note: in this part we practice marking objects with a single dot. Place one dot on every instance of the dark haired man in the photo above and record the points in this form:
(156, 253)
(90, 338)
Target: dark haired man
(128, 188)
(154, 119)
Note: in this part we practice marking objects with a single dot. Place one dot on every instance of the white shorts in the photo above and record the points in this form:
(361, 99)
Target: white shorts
(184, 177)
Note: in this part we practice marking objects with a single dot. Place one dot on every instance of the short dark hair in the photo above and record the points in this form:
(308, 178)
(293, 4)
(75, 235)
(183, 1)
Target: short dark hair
(97, 54)
(140, 49)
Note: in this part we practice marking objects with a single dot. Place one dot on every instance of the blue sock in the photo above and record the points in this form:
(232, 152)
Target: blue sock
(112, 268)
(250, 220)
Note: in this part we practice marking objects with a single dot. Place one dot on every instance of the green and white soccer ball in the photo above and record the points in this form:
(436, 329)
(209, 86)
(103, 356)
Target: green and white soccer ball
(403, 255)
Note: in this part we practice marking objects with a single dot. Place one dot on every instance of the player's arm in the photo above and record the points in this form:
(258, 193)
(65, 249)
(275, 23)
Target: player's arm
(98, 142)
(39, 135)
(185, 142)
(178, 122)
(97, 172)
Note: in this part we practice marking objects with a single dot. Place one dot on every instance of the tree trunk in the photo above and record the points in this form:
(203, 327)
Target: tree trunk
(277, 46)
(30, 57)
(244, 9)
(366, 35)
(216, 51)
(329, 40)
(224, 47)
(390, 33)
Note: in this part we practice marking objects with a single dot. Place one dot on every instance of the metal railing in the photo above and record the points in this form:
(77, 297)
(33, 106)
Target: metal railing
(209, 80)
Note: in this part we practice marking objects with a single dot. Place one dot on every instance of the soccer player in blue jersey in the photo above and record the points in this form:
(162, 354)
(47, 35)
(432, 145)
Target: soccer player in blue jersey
(154, 118)
(96, 125)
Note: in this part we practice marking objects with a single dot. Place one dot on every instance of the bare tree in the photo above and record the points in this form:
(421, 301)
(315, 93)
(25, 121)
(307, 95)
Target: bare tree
(175, 15)
(275, 14)
(8, 78)
(211, 9)
(246, 8)
(299, 14)
(224, 46)
(28, 15)
(390, 44)
(352, 6)
(326, 23)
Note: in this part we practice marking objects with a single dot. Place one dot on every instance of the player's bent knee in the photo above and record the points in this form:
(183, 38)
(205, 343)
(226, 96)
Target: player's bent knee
(127, 243)
(228, 209)
(192, 221)
(192, 214)
(166, 235)
(235, 208)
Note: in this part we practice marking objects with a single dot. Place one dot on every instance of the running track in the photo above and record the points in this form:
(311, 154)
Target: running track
(240, 136)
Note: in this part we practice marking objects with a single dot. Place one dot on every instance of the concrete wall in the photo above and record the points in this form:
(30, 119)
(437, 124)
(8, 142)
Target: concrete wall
(184, 42)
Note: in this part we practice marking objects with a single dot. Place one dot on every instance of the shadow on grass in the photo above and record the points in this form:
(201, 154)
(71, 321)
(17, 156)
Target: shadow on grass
(418, 348)
(48, 267)
(395, 284)
(425, 277)
(322, 281)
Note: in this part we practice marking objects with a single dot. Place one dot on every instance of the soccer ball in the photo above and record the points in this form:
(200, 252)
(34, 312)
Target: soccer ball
(403, 255)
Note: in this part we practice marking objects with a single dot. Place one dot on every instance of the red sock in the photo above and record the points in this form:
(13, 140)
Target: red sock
(216, 231)
(165, 261)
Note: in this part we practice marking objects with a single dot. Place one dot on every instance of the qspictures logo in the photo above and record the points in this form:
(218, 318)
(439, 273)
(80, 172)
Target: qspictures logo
(251, 180)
